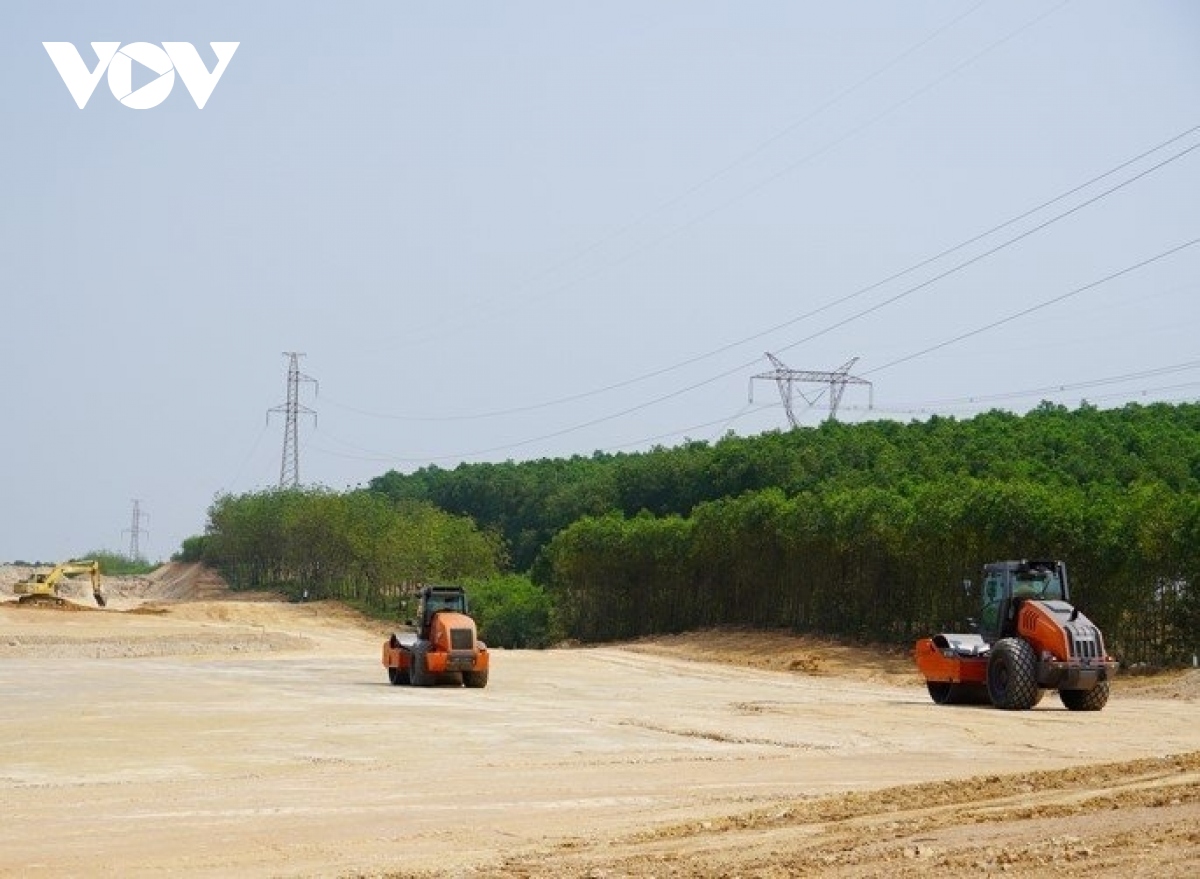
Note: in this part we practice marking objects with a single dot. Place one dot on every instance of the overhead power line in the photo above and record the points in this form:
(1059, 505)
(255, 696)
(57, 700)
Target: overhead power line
(664, 397)
(931, 407)
(741, 368)
(1038, 307)
(936, 407)
(903, 294)
(917, 409)
(756, 150)
(1074, 386)
(928, 261)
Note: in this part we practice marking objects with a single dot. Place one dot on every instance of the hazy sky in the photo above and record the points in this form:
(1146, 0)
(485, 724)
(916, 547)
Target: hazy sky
(525, 229)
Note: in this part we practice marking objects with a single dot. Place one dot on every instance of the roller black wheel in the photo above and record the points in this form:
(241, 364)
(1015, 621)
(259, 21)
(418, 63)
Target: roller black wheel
(398, 676)
(419, 674)
(1012, 675)
(940, 692)
(475, 679)
(1086, 700)
(944, 693)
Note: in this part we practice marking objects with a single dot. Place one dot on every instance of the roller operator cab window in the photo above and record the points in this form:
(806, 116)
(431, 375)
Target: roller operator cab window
(993, 593)
(1039, 583)
(435, 603)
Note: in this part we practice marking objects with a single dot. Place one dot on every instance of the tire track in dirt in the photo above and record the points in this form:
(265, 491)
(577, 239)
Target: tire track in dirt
(1099, 820)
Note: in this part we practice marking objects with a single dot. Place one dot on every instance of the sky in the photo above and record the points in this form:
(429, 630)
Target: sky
(514, 230)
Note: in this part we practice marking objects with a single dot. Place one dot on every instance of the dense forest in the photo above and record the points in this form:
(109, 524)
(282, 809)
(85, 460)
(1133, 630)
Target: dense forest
(857, 530)
(861, 531)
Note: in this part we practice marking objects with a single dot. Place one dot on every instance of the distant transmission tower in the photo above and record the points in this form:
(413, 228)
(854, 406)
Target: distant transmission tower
(289, 468)
(786, 380)
(136, 530)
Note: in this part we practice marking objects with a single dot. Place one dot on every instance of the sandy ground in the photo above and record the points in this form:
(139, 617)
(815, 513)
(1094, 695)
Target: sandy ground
(183, 732)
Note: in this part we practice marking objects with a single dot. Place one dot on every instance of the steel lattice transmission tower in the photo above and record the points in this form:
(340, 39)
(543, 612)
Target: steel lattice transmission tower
(289, 467)
(786, 380)
(136, 530)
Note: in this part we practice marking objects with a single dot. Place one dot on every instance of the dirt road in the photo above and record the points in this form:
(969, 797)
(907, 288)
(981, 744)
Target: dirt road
(211, 737)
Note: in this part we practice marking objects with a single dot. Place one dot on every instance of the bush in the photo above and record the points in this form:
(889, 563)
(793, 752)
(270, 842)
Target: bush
(511, 611)
(116, 565)
(192, 549)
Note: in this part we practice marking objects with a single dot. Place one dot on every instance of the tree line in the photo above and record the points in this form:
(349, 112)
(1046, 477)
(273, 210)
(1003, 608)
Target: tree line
(863, 531)
(371, 552)
(857, 530)
(877, 565)
(357, 546)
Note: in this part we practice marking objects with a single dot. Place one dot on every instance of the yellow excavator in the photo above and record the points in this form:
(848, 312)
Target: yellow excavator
(45, 586)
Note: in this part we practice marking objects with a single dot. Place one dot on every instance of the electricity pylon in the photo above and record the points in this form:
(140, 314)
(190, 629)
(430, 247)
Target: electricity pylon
(786, 379)
(289, 467)
(136, 531)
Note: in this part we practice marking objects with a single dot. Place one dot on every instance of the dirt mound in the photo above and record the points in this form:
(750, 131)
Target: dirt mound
(172, 582)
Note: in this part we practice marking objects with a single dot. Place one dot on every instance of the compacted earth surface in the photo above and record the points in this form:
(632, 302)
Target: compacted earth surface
(186, 730)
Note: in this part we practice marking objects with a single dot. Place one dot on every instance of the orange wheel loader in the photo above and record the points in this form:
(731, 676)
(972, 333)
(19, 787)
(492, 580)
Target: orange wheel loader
(1029, 638)
(444, 649)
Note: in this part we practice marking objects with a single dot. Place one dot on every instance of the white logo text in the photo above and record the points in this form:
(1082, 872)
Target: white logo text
(118, 60)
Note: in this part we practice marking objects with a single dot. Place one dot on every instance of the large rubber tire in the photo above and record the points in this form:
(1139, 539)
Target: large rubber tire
(1012, 675)
(398, 676)
(418, 673)
(1086, 700)
(475, 679)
